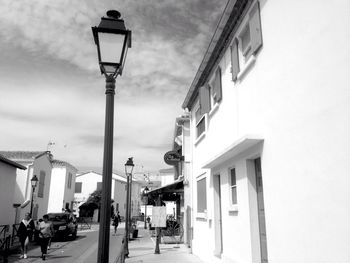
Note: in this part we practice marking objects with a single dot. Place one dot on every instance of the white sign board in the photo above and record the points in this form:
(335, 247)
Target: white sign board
(159, 216)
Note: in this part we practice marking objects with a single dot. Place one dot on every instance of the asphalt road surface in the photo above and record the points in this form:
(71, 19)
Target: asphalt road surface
(81, 250)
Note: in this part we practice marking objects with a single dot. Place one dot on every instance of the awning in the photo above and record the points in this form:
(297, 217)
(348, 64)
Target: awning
(233, 150)
(170, 192)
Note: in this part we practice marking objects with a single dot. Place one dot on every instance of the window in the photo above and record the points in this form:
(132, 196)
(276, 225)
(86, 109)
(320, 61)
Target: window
(200, 127)
(41, 184)
(78, 187)
(99, 186)
(233, 186)
(202, 195)
(247, 42)
(202, 109)
(69, 183)
(215, 88)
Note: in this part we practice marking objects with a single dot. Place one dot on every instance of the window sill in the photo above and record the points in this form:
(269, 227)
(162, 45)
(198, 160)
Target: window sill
(213, 110)
(247, 66)
(199, 139)
(233, 208)
(201, 217)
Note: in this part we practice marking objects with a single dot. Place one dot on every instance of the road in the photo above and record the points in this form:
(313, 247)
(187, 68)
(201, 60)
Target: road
(81, 250)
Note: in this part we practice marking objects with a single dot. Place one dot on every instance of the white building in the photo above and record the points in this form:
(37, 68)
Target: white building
(37, 163)
(61, 197)
(269, 111)
(8, 173)
(88, 182)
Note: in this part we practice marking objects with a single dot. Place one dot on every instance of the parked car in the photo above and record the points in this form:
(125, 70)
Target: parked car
(64, 224)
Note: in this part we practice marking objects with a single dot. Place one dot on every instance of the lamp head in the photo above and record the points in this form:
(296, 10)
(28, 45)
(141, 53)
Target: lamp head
(129, 166)
(34, 181)
(112, 40)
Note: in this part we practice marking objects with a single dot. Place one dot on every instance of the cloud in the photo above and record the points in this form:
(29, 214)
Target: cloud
(51, 86)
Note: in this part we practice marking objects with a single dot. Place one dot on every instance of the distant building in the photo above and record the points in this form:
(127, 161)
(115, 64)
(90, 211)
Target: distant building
(88, 182)
(8, 173)
(61, 196)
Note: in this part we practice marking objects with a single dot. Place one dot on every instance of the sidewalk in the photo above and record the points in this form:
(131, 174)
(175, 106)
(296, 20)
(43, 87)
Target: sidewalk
(141, 250)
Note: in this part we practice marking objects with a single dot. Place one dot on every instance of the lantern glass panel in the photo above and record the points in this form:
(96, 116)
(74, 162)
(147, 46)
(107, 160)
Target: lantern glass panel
(111, 47)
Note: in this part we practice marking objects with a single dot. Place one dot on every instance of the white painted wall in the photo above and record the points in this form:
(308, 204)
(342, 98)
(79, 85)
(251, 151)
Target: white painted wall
(7, 186)
(69, 192)
(89, 184)
(42, 164)
(296, 96)
(58, 184)
(21, 185)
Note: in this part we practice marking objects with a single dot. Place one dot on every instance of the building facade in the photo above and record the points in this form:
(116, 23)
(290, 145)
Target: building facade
(269, 125)
(37, 163)
(63, 182)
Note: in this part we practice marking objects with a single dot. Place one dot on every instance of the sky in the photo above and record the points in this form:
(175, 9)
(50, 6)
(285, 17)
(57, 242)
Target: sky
(51, 89)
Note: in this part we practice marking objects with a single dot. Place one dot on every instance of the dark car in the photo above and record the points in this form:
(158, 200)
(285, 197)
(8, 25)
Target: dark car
(64, 224)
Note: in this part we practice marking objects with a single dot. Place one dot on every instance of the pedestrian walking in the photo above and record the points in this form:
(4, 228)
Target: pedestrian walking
(45, 233)
(25, 232)
(116, 221)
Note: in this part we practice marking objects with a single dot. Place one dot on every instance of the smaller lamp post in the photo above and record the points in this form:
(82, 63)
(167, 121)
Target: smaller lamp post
(145, 198)
(129, 166)
(34, 182)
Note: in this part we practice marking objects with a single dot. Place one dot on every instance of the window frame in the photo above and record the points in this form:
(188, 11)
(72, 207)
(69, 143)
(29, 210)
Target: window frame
(246, 56)
(233, 186)
(202, 213)
(198, 121)
(81, 187)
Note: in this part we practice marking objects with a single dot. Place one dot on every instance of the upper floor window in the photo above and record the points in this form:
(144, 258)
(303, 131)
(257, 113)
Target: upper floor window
(215, 87)
(202, 195)
(200, 121)
(247, 41)
(99, 186)
(233, 186)
(69, 183)
(78, 187)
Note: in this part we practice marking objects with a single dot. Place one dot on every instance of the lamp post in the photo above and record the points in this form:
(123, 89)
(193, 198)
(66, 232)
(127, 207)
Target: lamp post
(145, 191)
(129, 166)
(112, 40)
(34, 182)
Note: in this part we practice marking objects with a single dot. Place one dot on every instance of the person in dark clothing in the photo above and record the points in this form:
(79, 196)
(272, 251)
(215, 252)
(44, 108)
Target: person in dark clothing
(46, 231)
(116, 221)
(25, 232)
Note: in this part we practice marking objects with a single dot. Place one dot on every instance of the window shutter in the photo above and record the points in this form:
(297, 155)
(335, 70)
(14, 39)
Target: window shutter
(218, 85)
(255, 28)
(204, 100)
(41, 184)
(234, 60)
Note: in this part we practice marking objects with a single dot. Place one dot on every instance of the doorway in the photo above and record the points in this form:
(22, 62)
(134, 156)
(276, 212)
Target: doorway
(217, 215)
(261, 210)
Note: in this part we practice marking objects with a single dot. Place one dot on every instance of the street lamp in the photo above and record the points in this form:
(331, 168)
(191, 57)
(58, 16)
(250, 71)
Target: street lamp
(129, 166)
(145, 199)
(34, 182)
(112, 40)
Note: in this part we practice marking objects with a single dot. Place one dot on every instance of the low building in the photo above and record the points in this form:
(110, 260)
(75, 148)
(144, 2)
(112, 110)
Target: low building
(8, 173)
(37, 163)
